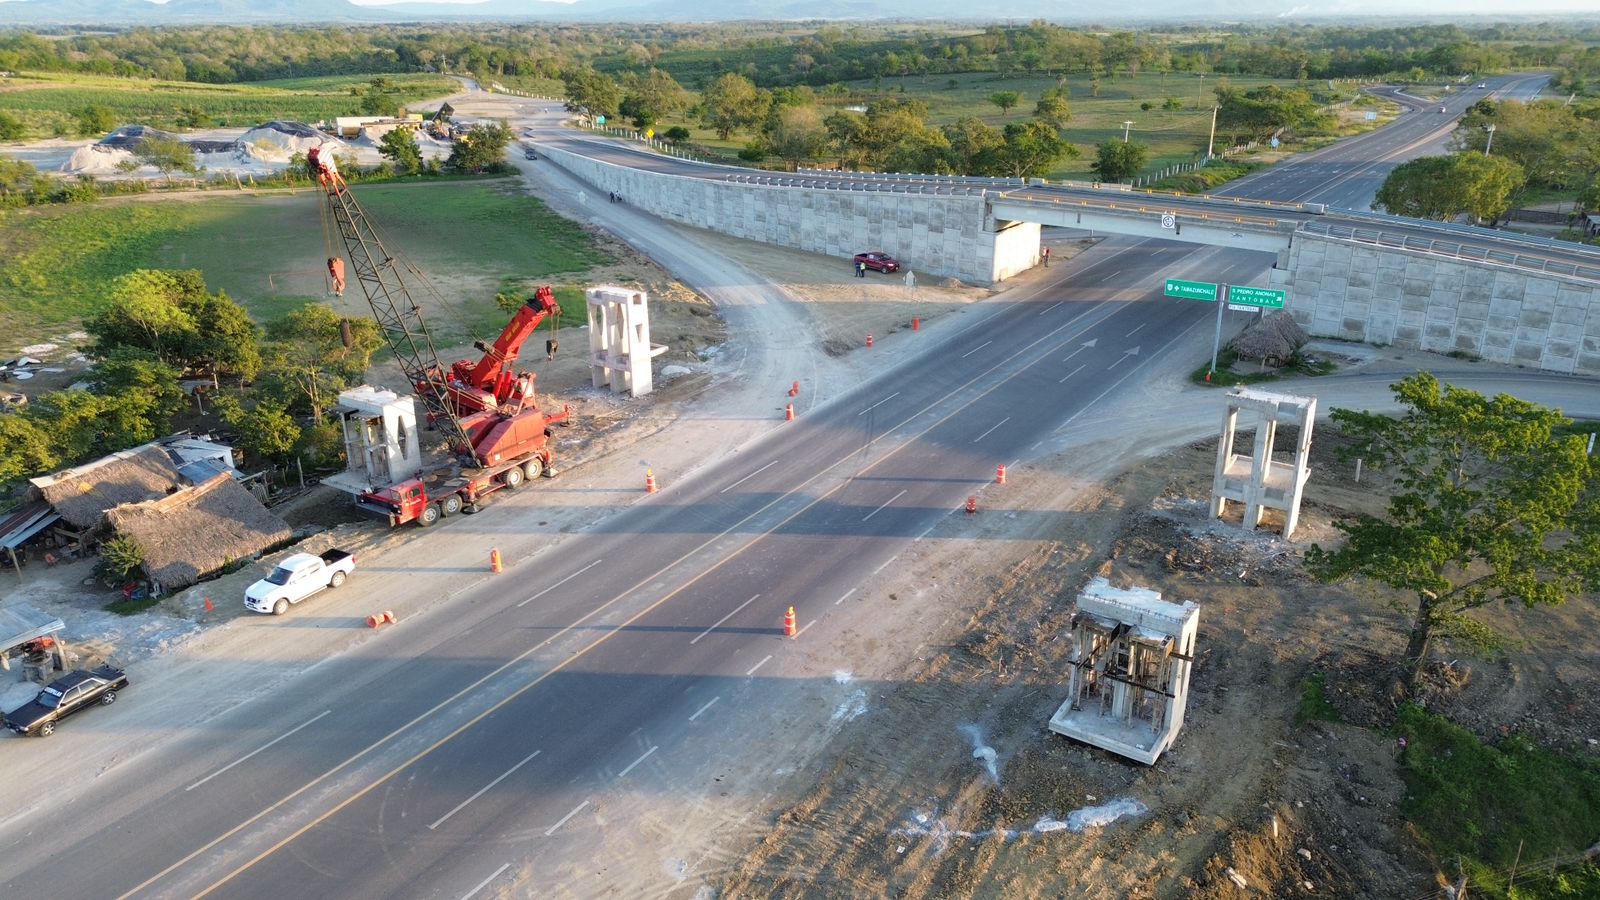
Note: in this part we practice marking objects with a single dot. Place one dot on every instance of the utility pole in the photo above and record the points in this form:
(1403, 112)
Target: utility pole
(1212, 141)
(1490, 142)
(1125, 127)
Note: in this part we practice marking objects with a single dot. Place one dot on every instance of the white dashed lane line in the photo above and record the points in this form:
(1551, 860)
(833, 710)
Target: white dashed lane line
(485, 883)
(483, 790)
(709, 704)
(566, 818)
(258, 750)
(558, 584)
(879, 403)
(724, 619)
(637, 761)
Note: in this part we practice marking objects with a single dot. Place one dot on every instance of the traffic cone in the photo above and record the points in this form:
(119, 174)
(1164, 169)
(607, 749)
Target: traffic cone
(373, 621)
(972, 504)
(916, 323)
(1000, 475)
(788, 412)
(794, 391)
(494, 561)
(209, 606)
(869, 340)
(649, 481)
(388, 616)
(788, 622)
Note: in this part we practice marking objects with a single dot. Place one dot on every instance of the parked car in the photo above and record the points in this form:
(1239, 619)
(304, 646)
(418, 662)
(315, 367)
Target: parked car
(879, 261)
(66, 695)
(296, 578)
(1483, 84)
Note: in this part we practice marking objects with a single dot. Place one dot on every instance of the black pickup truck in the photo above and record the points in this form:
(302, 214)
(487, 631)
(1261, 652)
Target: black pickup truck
(66, 695)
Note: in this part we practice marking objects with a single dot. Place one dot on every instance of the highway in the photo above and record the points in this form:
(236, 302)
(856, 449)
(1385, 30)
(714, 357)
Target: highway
(631, 673)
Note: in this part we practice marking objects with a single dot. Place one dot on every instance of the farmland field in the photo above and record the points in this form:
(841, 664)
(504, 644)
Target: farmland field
(267, 251)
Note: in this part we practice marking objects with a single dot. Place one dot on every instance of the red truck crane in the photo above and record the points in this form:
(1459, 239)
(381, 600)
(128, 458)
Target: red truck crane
(498, 435)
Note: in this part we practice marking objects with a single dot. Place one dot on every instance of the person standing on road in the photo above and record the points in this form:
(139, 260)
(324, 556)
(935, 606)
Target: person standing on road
(861, 269)
(1046, 252)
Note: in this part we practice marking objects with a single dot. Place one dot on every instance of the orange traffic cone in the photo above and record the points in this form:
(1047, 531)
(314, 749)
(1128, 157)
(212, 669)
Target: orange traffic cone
(972, 504)
(788, 622)
(1000, 475)
(916, 323)
(649, 481)
(869, 340)
(494, 561)
(794, 391)
(788, 412)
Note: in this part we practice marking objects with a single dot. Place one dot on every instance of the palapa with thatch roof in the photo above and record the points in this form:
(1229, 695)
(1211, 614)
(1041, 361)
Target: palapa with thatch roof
(82, 495)
(198, 531)
(1274, 338)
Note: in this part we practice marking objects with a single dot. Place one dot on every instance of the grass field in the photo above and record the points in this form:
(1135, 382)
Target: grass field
(1173, 136)
(48, 103)
(268, 252)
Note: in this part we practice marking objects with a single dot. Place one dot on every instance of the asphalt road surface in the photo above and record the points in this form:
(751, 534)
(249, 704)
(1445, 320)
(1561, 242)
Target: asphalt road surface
(504, 738)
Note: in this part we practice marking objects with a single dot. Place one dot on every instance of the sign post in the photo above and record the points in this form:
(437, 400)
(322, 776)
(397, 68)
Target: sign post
(1251, 299)
(1202, 290)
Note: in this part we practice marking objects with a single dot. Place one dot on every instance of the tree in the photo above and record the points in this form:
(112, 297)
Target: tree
(1005, 100)
(1589, 197)
(83, 424)
(399, 146)
(798, 136)
(677, 134)
(93, 120)
(1028, 150)
(377, 98)
(1118, 160)
(1442, 187)
(732, 103)
(17, 177)
(145, 387)
(649, 99)
(166, 155)
(25, 447)
(482, 147)
(592, 93)
(308, 361)
(172, 315)
(971, 141)
(265, 429)
(10, 127)
(1053, 109)
(1490, 505)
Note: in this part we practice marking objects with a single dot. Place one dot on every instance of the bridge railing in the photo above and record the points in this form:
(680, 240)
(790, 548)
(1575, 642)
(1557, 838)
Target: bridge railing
(1510, 258)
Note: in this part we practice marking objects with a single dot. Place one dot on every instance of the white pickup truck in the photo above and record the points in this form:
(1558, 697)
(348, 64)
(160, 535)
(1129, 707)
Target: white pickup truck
(297, 578)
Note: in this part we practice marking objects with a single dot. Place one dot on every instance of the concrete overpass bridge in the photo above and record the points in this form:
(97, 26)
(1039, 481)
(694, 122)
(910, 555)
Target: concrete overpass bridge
(1351, 275)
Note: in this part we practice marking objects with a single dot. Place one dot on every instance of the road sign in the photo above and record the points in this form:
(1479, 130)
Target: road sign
(1168, 220)
(650, 134)
(1275, 142)
(1372, 116)
(1249, 296)
(600, 120)
(1191, 290)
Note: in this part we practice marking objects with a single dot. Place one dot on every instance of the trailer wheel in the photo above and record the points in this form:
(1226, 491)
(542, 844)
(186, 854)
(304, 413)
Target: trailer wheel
(534, 467)
(428, 516)
(450, 505)
(512, 478)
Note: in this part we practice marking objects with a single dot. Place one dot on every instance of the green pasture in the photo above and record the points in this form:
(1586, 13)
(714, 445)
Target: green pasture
(49, 103)
(465, 239)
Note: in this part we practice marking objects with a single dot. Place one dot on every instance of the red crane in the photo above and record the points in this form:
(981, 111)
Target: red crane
(490, 382)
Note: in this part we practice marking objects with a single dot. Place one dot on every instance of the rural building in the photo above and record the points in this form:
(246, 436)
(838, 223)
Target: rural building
(198, 531)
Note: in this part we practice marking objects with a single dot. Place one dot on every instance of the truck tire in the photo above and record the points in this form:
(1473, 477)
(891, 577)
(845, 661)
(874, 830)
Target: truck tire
(428, 516)
(336, 580)
(450, 505)
(281, 607)
(512, 478)
(534, 468)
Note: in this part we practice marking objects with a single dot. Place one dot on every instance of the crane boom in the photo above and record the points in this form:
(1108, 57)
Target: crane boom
(397, 314)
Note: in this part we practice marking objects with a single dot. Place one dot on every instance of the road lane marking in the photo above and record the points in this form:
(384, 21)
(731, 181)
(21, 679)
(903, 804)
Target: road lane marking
(704, 708)
(1136, 330)
(485, 883)
(258, 750)
(1112, 275)
(1131, 372)
(558, 584)
(757, 666)
(991, 428)
(1070, 374)
(1051, 306)
(925, 532)
(724, 619)
(1081, 347)
(949, 412)
(885, 564)
(483, 790)
(566, 818)
(879, 403)
(803, 628)
(976, 349)
(886, 503)
(637, 761)
(748, 477)
(845, 597)
(1123, 358)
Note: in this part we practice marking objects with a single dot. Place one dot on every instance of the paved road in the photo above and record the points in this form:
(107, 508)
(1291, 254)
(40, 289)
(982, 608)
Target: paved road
(504, 737)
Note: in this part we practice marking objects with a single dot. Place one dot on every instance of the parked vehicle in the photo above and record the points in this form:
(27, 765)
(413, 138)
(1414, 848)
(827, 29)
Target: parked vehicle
(878, 261)
(66, 695)
(296, 578)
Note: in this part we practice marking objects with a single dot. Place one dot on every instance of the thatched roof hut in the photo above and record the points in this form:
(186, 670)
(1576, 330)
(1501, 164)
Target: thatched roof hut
(198, 530)
(82, 495)
(1274, 337)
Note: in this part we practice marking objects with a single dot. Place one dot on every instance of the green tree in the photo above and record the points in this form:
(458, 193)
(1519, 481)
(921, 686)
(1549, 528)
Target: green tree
(592, 93)
(798, 136)
(93, 120)
(146, 310)
(677, 134)
(1490, 505)
(265, 428)
(1005, 100)
(121, 559)
(84, 424)
(308, 361)
(1028, 150)
(732, 103)
(1118, 160)
(26, 449)
(17, 179)
(10, 127)
(1442, 187)
(1487, 184)
(166, 155)
(482, 147)
(399, 146)
(1589, 196)
(378, 99)
(650, 98)
(971, 142)
(1053, 109)
(145, 387)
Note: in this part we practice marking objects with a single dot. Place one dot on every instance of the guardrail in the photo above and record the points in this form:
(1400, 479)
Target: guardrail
(1453, 250)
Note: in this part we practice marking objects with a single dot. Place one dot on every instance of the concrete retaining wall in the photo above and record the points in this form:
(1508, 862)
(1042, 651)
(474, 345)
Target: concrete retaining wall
(947, 236)
(1356, 291)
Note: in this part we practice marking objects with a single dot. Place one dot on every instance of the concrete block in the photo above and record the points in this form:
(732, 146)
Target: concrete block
(1527, 354)
(1495, 341)
(1471, 343)
(1408, 335)
(1359, 278)
(1381, 329)
(1532, 318)
(1472, 309)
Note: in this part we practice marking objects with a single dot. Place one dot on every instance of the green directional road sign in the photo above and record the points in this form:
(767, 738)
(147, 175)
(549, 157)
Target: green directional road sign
(1248, 296)
(1191, 290)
